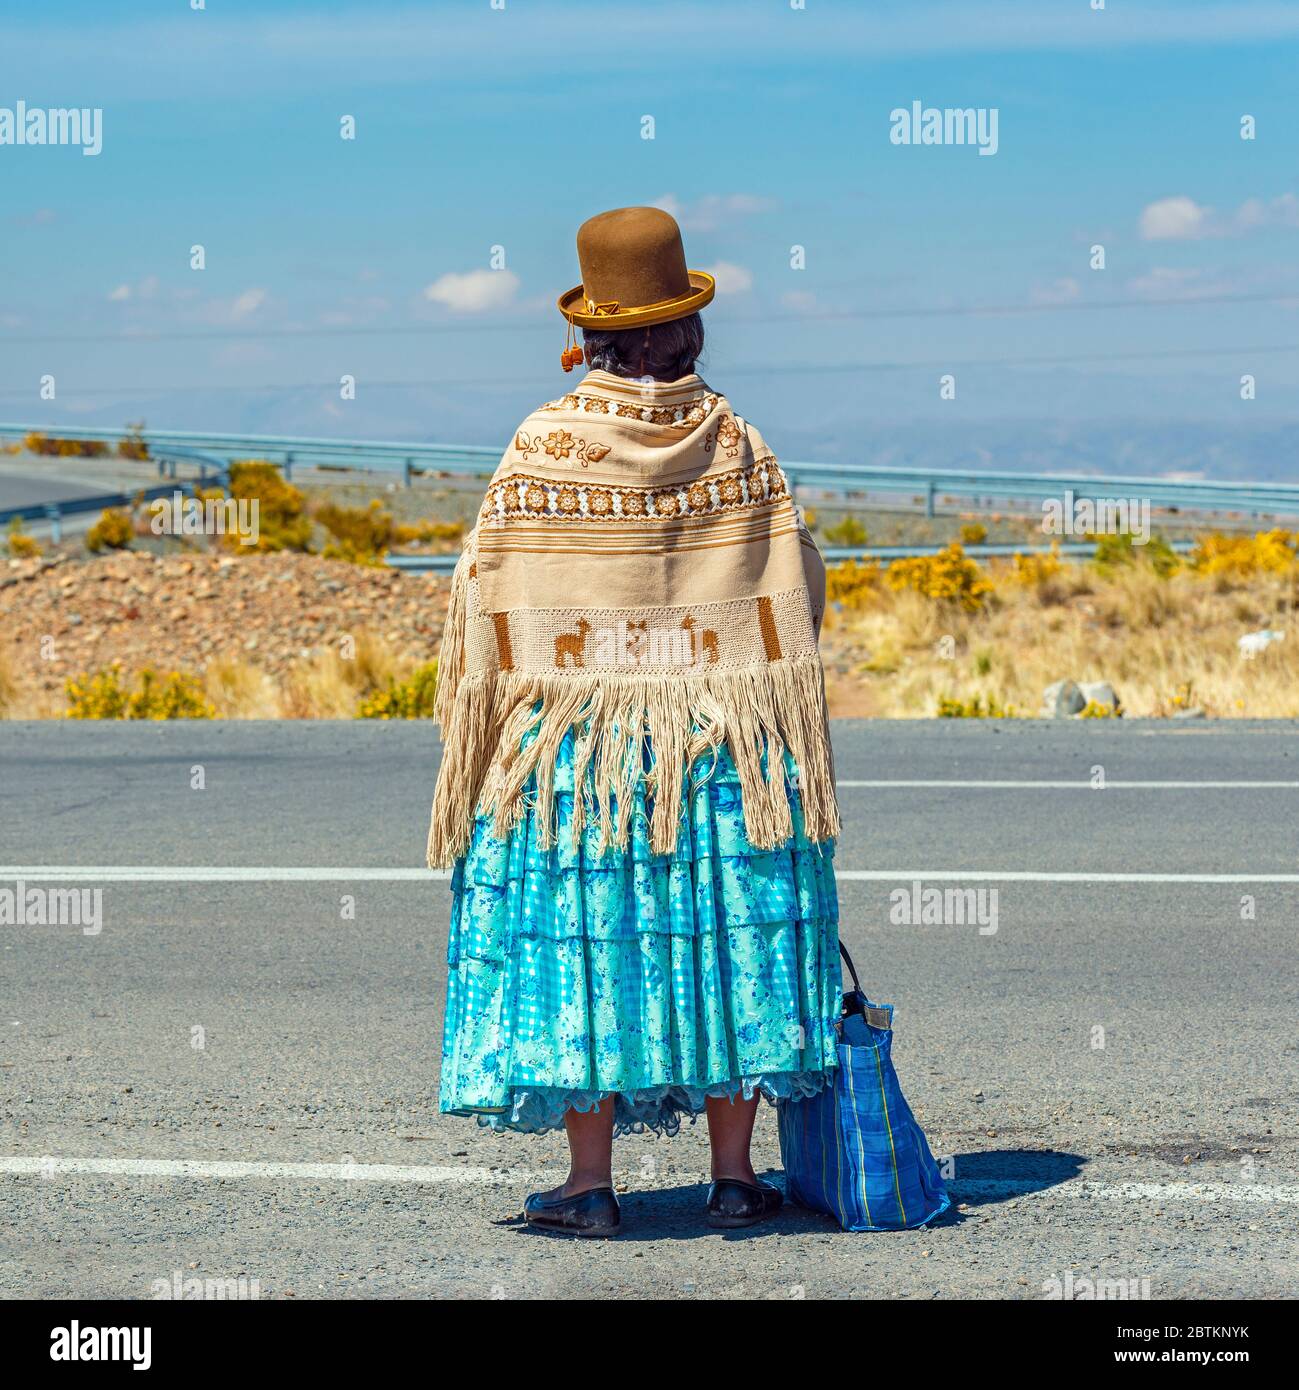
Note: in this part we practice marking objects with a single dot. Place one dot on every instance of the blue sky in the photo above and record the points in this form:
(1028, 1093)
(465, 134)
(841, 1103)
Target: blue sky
(479, 127)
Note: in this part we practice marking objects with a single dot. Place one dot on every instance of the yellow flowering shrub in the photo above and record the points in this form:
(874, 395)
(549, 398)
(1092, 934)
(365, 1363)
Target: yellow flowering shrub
(38, 443)
(1180, 698)
(850, 584)
(103, 696)
(1122, 549)
(848, 531)
(1271, 552)
(427, 532)
(113, 531)
(360, 534)
(973, 533)
(21, 545)
(1034, 569)
(950, 576)
(408, 699)
(283, 523)
(133, 446)
(976, 708)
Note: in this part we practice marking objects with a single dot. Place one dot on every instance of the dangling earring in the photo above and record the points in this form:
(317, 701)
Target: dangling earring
(572, 354)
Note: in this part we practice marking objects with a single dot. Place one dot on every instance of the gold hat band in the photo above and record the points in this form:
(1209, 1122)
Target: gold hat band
(610, 314)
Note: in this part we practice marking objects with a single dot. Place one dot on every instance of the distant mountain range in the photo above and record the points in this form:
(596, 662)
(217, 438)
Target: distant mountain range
(1267, 451)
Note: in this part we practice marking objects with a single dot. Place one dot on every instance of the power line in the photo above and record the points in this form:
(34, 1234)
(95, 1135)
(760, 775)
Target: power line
(739, 369)
(548, 326)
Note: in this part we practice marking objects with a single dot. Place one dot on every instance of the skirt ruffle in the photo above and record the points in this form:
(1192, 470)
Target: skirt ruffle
(575, 975)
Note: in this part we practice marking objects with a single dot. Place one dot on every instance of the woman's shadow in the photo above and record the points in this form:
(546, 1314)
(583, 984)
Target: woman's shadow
(975, 1180)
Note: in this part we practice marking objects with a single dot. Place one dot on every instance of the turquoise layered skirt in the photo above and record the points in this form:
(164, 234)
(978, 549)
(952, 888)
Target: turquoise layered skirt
(658, 979)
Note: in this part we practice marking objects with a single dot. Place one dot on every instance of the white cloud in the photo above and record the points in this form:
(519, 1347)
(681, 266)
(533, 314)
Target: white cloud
(1282, 211)
(731, 279)
(247, 303)
(474, 292)
(1183, 219)
(352, 44)
(1062, 291)
(146, 289)
(1175, 219)
(801, 301)
(711, 211)
(1166, 282)
(1186, 283)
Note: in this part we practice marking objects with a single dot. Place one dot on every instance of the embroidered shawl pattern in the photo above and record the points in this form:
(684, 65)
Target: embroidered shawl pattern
(640, 575)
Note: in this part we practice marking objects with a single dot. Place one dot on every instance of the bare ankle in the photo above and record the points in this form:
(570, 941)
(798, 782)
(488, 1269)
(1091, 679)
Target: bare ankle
(585, 1182)
(735, 1172)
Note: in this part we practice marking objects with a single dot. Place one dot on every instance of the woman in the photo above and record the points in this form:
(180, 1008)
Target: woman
(636, 789)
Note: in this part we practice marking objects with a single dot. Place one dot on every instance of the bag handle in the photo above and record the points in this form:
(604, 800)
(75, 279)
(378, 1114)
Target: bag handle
(852, 969)
(876, 1016)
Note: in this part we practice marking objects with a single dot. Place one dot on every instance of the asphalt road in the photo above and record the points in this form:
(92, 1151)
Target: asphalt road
(1112, 1072)
(28, 488)
(26, 480)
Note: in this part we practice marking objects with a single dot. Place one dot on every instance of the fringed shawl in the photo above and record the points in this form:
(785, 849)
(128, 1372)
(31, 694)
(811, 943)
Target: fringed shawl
(640, 575)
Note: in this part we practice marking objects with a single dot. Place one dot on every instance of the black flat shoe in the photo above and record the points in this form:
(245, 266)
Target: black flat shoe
(593, 1213)
(733, 1203)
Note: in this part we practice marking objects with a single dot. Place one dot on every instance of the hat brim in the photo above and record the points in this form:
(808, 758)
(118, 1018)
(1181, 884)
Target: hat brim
(702, 288)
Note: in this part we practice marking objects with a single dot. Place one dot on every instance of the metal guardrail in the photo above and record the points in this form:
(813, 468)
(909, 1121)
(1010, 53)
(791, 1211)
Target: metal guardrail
(927, 485)
(212, 472)
(930, 483)
(466, 460)
(833, 554)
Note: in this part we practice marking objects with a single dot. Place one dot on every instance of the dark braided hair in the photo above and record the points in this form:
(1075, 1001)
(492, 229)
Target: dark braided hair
(663, 351)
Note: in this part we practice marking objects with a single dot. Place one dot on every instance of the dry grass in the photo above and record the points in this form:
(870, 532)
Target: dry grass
(21, 700)
(1163, 643)
(328, 685)
(894, 650)
(8, 685)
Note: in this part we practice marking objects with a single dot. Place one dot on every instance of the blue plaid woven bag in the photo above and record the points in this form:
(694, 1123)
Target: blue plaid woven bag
(854, 1150)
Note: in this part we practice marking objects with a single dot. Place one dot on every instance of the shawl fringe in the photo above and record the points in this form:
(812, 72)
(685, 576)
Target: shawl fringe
(502, 729)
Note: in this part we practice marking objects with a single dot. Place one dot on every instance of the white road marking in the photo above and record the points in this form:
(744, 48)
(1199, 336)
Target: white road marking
(167, 873)
(48, 1166)
(1199, 1192)
(1043, 876)
(975, 1189)
(1000, 1189)
(1081, 786)
(237, 873)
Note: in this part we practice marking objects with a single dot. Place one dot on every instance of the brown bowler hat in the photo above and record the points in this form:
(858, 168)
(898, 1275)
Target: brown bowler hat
(633, 272)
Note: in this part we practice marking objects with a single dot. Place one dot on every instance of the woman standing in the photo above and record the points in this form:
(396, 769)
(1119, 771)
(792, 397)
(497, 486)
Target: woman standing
(636, 789)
